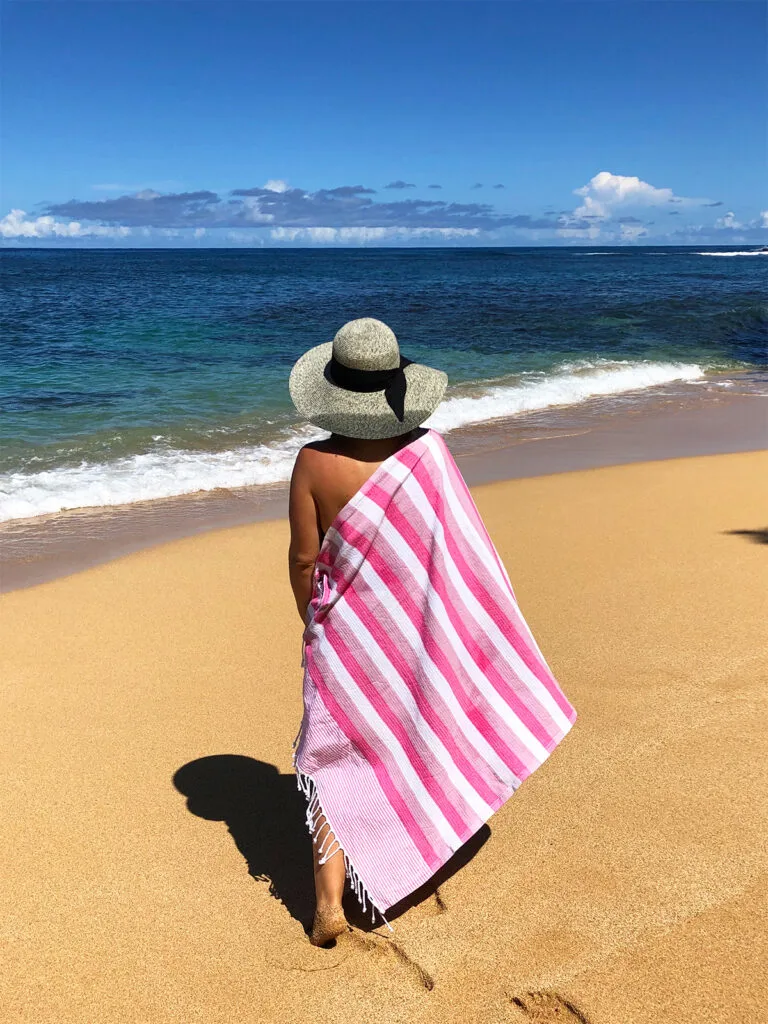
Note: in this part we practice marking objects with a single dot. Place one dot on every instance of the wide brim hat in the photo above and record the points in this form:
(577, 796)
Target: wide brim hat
(360, 386)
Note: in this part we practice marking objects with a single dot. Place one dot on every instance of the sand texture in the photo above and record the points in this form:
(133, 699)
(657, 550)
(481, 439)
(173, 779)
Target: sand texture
(625, 882)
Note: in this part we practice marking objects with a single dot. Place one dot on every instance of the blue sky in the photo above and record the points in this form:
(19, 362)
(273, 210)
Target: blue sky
(319, 123)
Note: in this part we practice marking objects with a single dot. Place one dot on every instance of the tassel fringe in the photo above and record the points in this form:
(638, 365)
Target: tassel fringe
(327, 849)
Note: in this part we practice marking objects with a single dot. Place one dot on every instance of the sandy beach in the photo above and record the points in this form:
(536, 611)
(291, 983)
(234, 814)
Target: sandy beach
(157, 867)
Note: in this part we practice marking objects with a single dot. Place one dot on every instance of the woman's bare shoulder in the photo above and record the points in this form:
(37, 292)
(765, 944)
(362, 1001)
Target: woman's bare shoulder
(348, 457)
(317, 452)
(326, 446)
(317, 460)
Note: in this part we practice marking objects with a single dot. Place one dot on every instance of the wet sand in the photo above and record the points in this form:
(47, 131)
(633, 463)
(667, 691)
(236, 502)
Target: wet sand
(624, 883)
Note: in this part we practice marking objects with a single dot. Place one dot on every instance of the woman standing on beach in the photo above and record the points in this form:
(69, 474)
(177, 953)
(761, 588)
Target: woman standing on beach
(426, 698)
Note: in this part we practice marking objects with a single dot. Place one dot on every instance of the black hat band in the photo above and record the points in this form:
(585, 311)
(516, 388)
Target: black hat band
(392, 382)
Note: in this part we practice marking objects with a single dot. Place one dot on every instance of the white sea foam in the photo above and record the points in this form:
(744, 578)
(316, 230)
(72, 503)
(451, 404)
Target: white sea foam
(742, 252)
(159, 474)
(167, 472)
(573, 383)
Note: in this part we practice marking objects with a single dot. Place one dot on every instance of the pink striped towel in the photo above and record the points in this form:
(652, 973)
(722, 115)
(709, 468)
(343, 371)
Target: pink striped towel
(426, 698)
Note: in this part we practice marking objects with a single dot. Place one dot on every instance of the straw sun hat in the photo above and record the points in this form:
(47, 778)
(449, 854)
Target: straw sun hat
(359, 385)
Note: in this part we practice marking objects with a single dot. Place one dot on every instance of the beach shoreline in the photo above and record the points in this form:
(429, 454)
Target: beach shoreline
(36, 550)
(626, 877)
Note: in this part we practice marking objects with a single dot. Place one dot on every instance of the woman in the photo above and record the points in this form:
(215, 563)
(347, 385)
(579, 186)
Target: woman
(426, 698)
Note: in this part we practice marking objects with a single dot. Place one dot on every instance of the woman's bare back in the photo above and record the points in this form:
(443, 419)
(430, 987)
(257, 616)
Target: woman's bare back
(340, 467)
(326, 475)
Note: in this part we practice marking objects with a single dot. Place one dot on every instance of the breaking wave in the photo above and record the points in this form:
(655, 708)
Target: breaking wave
(167, 472)
(741, 252)
(571, 384)
(156, 474)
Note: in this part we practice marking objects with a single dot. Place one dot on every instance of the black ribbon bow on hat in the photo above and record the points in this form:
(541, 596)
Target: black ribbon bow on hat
(392, 382)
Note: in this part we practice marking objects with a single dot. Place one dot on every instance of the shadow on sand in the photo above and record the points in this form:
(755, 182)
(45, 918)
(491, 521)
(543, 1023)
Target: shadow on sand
(264, 812)
(756, 536)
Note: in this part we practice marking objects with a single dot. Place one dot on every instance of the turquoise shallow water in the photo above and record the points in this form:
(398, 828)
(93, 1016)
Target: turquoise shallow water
(132, 374)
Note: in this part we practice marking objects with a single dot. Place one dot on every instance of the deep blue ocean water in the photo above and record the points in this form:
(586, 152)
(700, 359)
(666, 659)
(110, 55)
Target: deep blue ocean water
(132, 374)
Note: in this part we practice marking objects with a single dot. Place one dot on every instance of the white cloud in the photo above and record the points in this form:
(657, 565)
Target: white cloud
(276, 185)
(16, 224)
(729, 222)
(606, 200)
(198, 232)
(356, 235)
(310, 234)
(605, 192)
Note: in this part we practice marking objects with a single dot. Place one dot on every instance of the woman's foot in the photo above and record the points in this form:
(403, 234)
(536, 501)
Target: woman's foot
(329, 923)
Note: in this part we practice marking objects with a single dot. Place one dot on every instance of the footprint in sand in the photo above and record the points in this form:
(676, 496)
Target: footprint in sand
(381, 945)
(548, 1008)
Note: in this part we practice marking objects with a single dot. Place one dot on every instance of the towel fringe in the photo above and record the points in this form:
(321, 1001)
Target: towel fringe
(307, 785)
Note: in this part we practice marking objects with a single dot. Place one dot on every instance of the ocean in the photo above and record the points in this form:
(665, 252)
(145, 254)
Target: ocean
(130, 375)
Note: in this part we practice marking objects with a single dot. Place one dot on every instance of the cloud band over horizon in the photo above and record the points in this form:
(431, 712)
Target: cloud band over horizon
(610, 209)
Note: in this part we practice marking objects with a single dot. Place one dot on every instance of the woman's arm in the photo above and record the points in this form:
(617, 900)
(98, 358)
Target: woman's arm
(305, 532)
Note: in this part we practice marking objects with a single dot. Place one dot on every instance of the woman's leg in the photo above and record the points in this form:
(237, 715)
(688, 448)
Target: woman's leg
(330, 876)
(329, 885)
